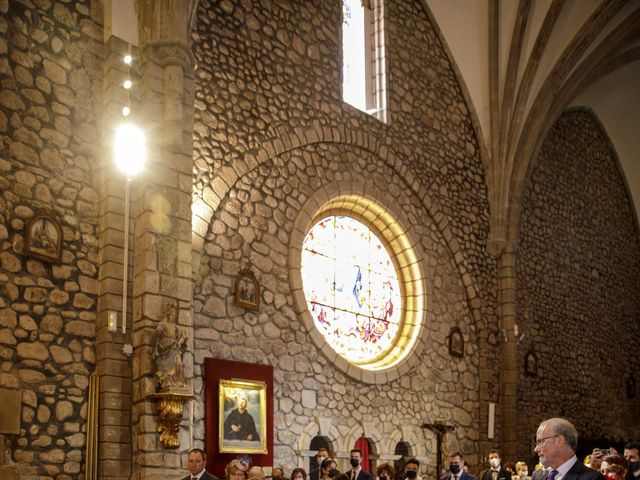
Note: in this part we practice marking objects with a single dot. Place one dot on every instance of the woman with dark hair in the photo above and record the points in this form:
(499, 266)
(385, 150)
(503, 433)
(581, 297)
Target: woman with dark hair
(614, 467)
(328, 469)
(385, 471)
(298, 474)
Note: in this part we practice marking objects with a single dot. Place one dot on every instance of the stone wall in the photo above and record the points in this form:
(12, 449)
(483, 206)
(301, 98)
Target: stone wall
(270, 131)
(50, 69)
(579, 286)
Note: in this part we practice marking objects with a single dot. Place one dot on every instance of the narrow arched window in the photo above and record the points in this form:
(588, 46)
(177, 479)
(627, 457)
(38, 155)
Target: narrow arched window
(363, 71)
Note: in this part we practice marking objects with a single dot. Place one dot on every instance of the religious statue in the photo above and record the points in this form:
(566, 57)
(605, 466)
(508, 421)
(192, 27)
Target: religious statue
(170, 342)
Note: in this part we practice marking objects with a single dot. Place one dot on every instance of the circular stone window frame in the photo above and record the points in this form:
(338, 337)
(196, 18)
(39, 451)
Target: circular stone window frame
(380, 215)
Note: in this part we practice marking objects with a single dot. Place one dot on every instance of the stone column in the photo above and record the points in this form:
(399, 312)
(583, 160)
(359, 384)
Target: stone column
(162, 272)
(508, 351)
(113, 367)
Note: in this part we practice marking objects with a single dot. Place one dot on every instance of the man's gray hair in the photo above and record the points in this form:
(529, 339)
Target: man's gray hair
(560, 426)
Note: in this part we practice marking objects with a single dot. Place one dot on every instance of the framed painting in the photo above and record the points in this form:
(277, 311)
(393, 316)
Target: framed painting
(531, 364)
(247, 290)
(456, 342)
(43, 237)
(242, 417)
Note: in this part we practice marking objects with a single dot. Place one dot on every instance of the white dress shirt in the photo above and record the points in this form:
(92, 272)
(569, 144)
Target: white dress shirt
(565, 467)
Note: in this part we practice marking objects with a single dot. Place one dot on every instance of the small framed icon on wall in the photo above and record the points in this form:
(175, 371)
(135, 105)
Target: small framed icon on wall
(43, 237)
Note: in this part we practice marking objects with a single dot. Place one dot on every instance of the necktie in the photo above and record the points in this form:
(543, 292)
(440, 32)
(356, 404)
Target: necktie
(552, 475)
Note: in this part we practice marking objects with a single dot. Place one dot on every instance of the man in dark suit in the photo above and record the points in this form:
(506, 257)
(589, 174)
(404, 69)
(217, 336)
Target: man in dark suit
(197, 460)
(456, 469)
(496, 471)
(356, 472)
(320, 456)
(556, 443)
(632, 455)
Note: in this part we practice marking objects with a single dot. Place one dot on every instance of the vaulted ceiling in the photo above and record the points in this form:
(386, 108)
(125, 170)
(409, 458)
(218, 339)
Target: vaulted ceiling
(522, 62)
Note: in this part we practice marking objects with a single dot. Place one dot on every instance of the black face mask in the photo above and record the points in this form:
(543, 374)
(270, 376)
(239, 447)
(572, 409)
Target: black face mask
(633, 466)
(333, 473)
(412, 474)
(383, 477)
(354, 462)
(454, 468)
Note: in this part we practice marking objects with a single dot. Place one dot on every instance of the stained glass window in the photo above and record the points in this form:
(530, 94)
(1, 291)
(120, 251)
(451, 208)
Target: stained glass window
(351, 287)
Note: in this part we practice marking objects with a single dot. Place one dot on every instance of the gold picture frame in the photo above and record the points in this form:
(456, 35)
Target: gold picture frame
(242, 416)
(43, 237)
(247, 290)
(456, 342)
(531, 364)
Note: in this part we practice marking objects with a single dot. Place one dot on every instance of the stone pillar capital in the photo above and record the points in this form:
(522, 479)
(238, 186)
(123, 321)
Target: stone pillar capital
(497, 246)
(168, 53)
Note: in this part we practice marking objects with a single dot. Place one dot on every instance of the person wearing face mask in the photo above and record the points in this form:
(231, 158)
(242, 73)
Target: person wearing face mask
(411, 469)
(386, 471)
(632, 455)
(496, 471)
(522, 472)
(456, 468)
(328, 469)
(321, 456)
(614, 467)
(357, 472)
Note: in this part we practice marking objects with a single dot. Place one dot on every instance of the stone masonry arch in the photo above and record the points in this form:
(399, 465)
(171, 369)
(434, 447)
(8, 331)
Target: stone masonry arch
(367, 430)
(410, 436)
(205, 203)
(313, 429)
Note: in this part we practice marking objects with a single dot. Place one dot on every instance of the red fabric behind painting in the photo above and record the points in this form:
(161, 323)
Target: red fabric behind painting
(214, 371)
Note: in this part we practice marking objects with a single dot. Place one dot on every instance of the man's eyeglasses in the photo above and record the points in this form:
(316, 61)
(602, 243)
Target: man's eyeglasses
(540, 441)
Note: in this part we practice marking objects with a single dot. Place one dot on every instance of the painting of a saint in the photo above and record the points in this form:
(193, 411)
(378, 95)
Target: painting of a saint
(242, 416)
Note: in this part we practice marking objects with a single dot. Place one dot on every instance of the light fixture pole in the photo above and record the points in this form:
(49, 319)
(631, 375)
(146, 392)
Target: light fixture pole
(125, 273)
(130, 157)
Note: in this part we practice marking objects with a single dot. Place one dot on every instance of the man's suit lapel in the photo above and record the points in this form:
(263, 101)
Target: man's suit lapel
(574, 472)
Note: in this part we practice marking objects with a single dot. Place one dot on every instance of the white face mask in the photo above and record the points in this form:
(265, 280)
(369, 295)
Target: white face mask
(495, 462)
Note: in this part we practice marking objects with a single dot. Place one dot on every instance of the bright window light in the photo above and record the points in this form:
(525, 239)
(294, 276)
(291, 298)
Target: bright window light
(352, 288)
(130, 149)
(353, 48)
